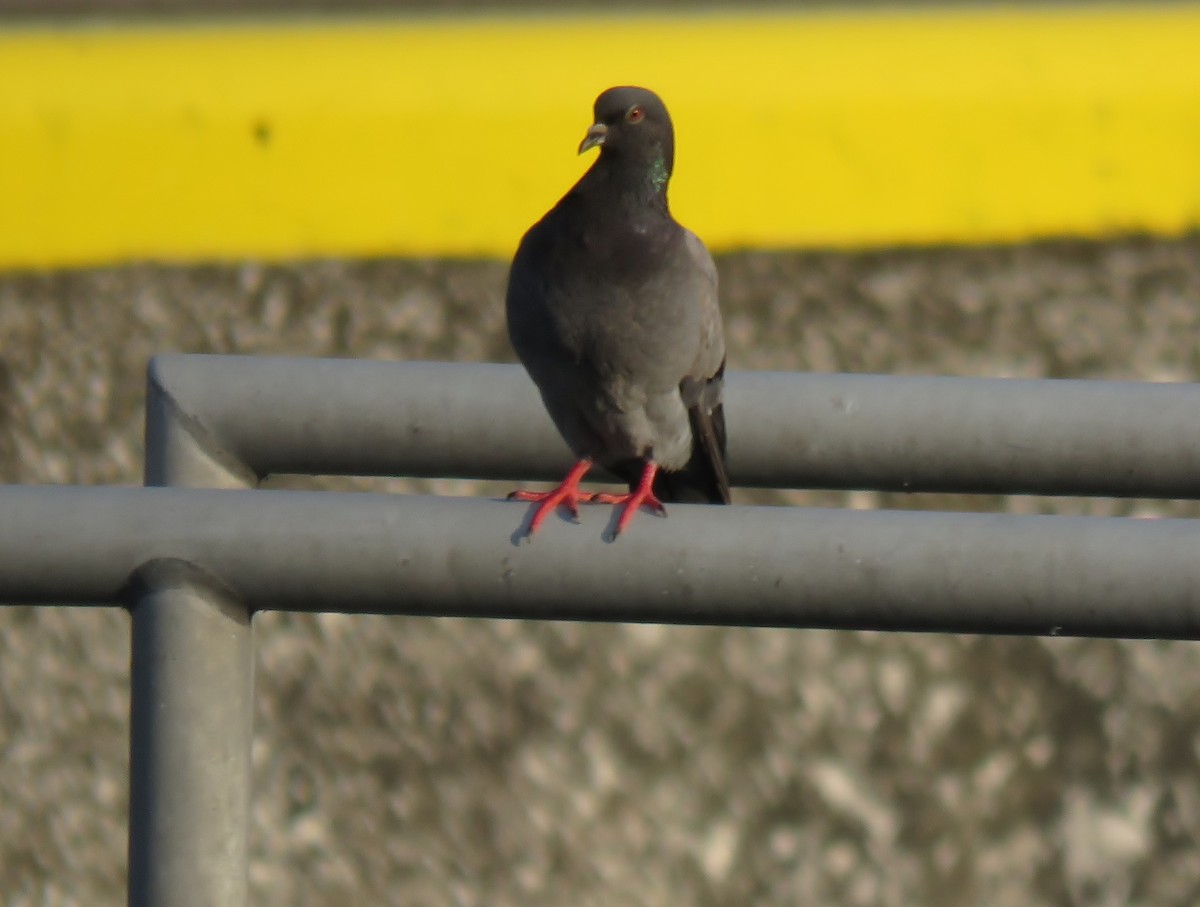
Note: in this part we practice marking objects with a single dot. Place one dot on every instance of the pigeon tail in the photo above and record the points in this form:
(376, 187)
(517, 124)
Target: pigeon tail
(704, 479)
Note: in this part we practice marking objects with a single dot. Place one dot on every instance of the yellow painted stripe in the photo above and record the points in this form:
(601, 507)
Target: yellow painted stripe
(449, 136)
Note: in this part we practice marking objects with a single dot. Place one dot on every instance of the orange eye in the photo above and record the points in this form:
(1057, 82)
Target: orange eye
(635, 114)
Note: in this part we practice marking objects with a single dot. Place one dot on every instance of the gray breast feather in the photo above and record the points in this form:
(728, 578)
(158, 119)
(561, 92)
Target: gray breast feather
(610, 355)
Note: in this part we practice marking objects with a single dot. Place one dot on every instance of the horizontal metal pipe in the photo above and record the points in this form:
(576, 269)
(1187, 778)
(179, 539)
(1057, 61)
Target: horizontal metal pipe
(753, 566)
(329, 416)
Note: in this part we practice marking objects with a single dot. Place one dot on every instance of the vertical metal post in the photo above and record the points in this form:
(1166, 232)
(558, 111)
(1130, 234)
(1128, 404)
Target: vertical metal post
(192, 689)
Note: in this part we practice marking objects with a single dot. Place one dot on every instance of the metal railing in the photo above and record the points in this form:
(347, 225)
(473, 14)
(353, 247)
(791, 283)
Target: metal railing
(195, 558)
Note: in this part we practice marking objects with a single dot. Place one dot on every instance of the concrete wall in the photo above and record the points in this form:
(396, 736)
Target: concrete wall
(448, 761)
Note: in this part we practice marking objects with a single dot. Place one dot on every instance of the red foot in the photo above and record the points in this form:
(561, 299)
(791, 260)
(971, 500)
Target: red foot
(635, 499)
(567, 493)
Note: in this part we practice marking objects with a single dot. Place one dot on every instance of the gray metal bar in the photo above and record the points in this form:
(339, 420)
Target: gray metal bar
(189, 742)
(785, 430)
(192, 688)
(179, 448)
(796, 567)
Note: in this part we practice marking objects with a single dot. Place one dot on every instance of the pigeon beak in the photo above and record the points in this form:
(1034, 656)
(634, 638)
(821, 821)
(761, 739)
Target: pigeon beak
(595, 136)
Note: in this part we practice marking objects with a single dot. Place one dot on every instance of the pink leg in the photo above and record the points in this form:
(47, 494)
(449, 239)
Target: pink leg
(566, 493)
(643, 494)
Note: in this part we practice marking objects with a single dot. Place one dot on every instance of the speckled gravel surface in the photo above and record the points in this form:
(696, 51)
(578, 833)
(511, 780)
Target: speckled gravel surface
(498, 763)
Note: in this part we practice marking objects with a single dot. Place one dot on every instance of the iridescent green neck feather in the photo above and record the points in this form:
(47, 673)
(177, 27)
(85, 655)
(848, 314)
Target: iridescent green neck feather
(659, 174)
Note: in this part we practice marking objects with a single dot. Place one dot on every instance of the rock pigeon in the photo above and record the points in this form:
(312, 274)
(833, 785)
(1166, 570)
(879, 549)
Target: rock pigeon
(612, 309)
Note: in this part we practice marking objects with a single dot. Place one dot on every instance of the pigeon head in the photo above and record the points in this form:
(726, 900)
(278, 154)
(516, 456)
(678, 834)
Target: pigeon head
(633, 129)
